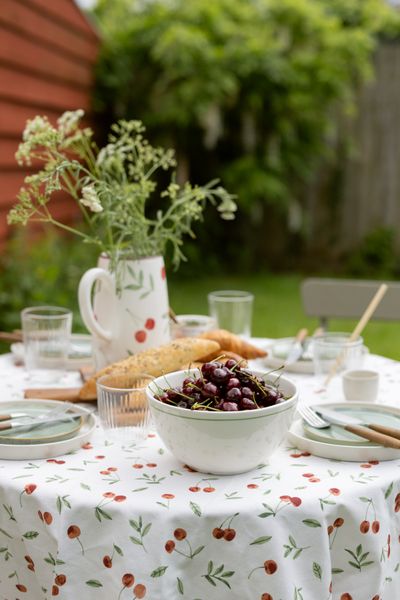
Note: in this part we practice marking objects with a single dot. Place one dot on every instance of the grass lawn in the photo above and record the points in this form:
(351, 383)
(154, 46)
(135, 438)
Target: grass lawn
(277, 309)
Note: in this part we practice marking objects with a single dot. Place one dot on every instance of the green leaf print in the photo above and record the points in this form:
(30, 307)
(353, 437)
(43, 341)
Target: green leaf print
(311, 523)
(9, 511)
(6, 534)
(30, 535)
(317, 570)
(101, 514)
(389, 491)
(159, 572)
(180, 586)
(94, 583)
(261, 540)
(141, 529)
(292, 547)
(359, 558)
(217, 574)
(195, 508)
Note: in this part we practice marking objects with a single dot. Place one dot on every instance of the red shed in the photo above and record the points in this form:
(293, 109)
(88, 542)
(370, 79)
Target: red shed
(47, 55)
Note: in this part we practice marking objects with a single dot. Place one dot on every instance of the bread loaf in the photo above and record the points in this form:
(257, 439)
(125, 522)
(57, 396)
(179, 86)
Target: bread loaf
(154, 361)
(233, 343)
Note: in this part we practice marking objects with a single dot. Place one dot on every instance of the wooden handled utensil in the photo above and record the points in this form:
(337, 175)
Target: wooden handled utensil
(369, 311)
(374, 432)
(63, 394)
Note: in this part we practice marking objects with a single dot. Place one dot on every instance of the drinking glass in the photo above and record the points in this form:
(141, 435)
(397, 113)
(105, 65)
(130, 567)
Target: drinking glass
(232, 310)
(46, 334)
(192, 325)
(335, 352)
(123, 406)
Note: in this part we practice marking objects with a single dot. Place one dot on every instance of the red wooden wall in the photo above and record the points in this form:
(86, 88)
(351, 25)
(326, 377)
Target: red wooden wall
(47, 54)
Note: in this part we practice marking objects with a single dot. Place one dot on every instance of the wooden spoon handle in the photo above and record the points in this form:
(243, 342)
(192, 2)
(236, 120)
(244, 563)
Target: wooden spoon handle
(374, 436)
(301, 335)
(392, 431)
(5, 426)
(5, 417)
(68, 394)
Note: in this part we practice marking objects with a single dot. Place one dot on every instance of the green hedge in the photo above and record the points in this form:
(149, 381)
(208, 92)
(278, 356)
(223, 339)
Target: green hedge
(245, 90)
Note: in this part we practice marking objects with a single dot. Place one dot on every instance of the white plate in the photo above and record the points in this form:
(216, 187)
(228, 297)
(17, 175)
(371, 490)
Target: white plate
(278, 351)
(298, 437)
(281, 347)
(17, 451)
(79, 355)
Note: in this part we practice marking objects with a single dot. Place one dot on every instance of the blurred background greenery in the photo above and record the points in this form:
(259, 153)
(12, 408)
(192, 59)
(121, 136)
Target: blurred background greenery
(252, 92)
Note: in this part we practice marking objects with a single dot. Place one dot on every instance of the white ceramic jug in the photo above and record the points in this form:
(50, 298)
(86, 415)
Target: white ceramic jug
(130, 319)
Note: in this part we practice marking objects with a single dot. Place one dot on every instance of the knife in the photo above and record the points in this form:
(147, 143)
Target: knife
(381, 434)
(4, 426)
(297, 347)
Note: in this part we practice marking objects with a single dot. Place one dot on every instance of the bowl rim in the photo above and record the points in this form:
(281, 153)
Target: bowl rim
(208, 415)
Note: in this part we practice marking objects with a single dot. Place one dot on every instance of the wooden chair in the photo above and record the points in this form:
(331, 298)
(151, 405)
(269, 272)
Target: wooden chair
(347, 298)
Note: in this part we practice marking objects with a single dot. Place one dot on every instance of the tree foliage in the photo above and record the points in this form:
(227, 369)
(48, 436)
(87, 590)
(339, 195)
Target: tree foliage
(243, 89)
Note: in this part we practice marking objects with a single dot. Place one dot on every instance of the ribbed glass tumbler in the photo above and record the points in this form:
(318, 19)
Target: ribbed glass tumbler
(123, 406)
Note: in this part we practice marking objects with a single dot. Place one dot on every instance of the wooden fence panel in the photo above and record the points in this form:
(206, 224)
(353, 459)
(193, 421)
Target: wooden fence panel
(361, 191)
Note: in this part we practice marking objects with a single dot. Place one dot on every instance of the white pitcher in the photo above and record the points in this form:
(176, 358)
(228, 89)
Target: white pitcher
(131, 318)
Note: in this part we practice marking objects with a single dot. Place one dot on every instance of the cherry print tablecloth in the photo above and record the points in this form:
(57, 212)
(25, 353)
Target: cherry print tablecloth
(116, 521)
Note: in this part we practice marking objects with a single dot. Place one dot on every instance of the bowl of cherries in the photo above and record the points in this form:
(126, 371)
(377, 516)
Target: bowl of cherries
(222, 418)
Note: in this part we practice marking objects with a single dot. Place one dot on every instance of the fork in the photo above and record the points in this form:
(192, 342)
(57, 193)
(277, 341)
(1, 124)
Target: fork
(57, 411)
(307, 413)
(311, 417)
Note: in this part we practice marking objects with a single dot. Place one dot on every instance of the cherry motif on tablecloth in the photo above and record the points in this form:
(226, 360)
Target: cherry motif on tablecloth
(180, 535)
(73, 532)
(228, 533)
(31, 564)
(270, 567)
(365, 525)
(29, 488)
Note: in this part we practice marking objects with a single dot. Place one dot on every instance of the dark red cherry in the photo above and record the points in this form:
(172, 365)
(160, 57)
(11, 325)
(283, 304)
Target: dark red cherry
(229, 406)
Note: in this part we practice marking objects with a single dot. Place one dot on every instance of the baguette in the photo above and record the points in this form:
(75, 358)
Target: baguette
(233, 343)
(154, 361)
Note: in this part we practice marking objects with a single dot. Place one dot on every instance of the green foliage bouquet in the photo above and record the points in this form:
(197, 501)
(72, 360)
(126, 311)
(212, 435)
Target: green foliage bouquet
(114, 188)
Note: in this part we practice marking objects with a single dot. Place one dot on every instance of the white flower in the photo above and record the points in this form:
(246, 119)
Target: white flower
(91, 199)
(69, 120)
(38, 125)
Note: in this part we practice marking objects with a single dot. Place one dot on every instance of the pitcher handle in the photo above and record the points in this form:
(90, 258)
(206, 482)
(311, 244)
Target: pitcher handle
(85, 300)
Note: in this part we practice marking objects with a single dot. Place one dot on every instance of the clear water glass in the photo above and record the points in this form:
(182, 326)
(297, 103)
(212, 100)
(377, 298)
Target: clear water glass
(123, 406)
(192, 325)
(335, 351)
(232, 310)
(46, 334)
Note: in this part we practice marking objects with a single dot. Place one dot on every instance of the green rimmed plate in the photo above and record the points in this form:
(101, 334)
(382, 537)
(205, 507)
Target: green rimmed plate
(20, 450)
(339, 444)
(41, 434)
(367, 413)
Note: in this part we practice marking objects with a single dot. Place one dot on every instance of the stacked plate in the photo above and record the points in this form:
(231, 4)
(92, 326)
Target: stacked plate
(53, 436)
(278, 351)
(79, 353)
(336, 443)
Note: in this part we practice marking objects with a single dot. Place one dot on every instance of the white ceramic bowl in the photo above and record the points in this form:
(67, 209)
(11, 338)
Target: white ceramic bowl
(222, 443)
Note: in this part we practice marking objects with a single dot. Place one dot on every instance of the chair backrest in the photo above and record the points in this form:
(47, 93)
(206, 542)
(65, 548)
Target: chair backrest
(347, 298)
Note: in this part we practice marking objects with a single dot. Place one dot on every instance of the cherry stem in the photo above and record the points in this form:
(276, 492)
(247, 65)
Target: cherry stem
(251, 572)
(80, 543)
(119, 595)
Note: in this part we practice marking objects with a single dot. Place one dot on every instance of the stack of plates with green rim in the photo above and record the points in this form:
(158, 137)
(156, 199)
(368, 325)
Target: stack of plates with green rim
(49, 438)
(336, 443)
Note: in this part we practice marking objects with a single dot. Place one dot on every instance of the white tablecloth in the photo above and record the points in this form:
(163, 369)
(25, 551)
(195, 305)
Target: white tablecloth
(118, 522)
